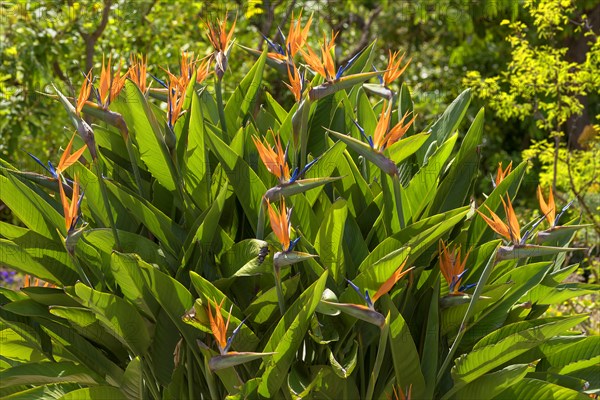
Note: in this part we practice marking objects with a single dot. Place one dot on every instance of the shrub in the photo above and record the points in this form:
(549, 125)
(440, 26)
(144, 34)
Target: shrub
(163, 261)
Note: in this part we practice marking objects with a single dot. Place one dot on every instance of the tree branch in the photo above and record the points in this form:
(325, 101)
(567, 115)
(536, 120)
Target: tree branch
(365, 38)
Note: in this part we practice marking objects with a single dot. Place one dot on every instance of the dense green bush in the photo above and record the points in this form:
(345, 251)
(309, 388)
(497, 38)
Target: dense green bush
(153, 272)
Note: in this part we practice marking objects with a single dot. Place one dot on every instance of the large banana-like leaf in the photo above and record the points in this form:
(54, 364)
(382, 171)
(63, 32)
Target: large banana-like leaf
(498, 348)
(146, 131)
(44, 373)
(118, 315)
(287, 338)
(447, 124)
(243, 98)
(407, 366)
(454, 188)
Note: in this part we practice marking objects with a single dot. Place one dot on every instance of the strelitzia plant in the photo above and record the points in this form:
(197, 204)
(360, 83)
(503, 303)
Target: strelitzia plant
(164, 287)
(295, 40)
(392, 72)
(222, 43)
(374, 150)
(399, 394)
(110, 85)
(383, 137)
(275, 159)
(548, 209)
(138, 72)
(501, 174)
(281, 225)
(66, 160)
(87, 134)
(510, 231)
(324, 66)
(452, 266)
(226, 359)
(367, 311)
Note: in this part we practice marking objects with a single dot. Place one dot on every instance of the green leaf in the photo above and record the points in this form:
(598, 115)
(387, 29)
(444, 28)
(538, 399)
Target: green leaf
(84, 352)
(145, 129)
(581, 355)
(407, 366)
(31, 209)
(429, 356)
(51, 391)
(48, 372)
(406, 105)
(104, 241)
(13, 256)
(542, 294)
(17, 349)
(447, 123)
(406, 147)
(85, 322)
(243, 98)
(345, 368)
(132, 385)
(530, 250)
(365, 114)
(422, 187)
(242, 259)
(204, 234)
(126, 269)
(118, 315)
(525, 278)
(329, 242)
(527, 389)
(95, 393)
(248, 187)
(288, 336)
(374, 375)
(168, 232)
(452, 316)
(492, 384)
(197, 166)
(265, 307)
(454, 189)
(489, 353)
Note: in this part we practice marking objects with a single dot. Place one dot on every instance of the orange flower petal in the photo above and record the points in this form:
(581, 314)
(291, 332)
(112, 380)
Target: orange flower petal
(392, 280)
(513, 223)
(393, 70)
(549, 209)
(382, 126)
(67, 159)
(84, 92)
(496, 224)
(280, 224)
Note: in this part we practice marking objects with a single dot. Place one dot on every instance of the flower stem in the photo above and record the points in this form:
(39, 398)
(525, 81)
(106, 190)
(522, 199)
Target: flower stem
(134, 166)
(383, 339)
(279, 289)
(260, 226)
(219, 95)
(111, 220)
(398, 198)
(80, 270)
(470, 310)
